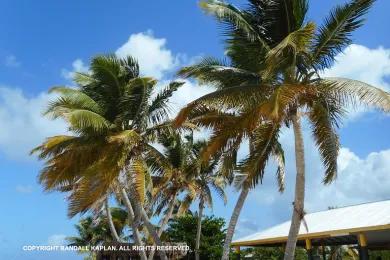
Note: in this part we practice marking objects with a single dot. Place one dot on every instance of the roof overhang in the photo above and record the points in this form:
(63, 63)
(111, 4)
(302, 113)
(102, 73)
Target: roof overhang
(333, 227)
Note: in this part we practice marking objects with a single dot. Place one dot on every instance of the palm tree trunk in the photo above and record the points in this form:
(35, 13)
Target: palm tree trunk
(298, 205)
(137, 236)
(140, 211)
(199, 228)
(110, 222)
(233, 222)
(167, 217)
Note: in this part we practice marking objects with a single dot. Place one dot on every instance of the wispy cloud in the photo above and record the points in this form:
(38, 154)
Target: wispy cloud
(77, 66)
(11, 61)
(22, 125)
(24, 188)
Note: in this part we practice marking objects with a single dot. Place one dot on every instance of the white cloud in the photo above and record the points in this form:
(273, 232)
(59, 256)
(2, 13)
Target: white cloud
(11, 61)
(152, 54)
(56, 240)
(77, 66)
(22, 125)
(361, 63)
(24, 188)
(187, 93)
(358, 62)
(359, 179)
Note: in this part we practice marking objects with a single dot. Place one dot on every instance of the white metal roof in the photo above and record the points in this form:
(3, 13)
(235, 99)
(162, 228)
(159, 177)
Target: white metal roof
(339, 221)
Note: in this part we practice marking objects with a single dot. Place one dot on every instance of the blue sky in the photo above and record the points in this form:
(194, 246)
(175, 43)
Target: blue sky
(44, 41)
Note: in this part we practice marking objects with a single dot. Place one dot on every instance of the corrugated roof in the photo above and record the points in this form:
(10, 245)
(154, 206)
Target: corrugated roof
(345, 220)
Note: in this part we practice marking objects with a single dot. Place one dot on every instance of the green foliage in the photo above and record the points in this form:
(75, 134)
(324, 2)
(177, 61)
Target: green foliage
(268, 253)
(380, 255)
(113, 117)
(93, 231)
(272, 43)
(183, 229)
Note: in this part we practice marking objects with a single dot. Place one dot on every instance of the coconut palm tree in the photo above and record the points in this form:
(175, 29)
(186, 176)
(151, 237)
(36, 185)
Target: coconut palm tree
(113, 118)
(171, 177)
(229, 132)
(92, 230)
(275, 58)
(208, 177)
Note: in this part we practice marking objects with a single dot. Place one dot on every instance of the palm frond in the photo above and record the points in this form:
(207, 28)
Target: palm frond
(70, 99)
(353, 92)
(219, 74)
(278, 154)
(326, 138)
(231, 15)
(297, 42)
(158, 109)
(335, 33)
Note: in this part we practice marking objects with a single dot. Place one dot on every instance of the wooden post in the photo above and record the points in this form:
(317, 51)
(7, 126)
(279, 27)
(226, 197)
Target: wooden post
(238, 251)
(323, 249)
(363, 250)
(309, 249)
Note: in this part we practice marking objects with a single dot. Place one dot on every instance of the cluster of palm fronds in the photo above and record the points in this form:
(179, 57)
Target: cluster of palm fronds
(270, 80)
(117, 121)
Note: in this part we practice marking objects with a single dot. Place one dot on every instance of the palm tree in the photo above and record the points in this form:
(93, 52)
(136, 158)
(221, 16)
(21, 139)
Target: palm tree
(275, 61)
(114, 119)
(172, 170)
(230, 129)
(92, 231)
(208, 178)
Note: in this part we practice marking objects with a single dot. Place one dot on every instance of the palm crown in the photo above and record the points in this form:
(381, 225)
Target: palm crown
(272, 78)
(114, 118)
(275, 60)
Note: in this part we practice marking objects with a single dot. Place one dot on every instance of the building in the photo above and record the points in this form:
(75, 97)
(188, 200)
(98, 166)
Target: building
(365, 226)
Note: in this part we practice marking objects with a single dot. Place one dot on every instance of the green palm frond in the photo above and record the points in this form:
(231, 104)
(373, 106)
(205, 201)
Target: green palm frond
(335, 33)
(296, 43)
(219, 190)
(185, 204)
(54, 145)
(231, 15)
(159, 109)
(73, 98)
(70, 99)
(353, 92)
(264, 139)
(219, 74)
(82, 121)
(278, 154)
(323, 127)
(109, 114)
(224, 99)
(107, 70)
(138, 173)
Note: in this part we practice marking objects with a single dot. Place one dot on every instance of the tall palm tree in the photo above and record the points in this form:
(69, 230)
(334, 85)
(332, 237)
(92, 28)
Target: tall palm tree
(173, 170)
(208, 177)
(275, 61)
(229, 132)
(113, 118)
(92, 231)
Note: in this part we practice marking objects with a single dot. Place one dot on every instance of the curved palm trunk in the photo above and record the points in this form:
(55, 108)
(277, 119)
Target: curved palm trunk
(137, 236)
(298, 206)
(167, 217)
(140, 211)
(110, 222)
(233, 222)
(199, 228)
